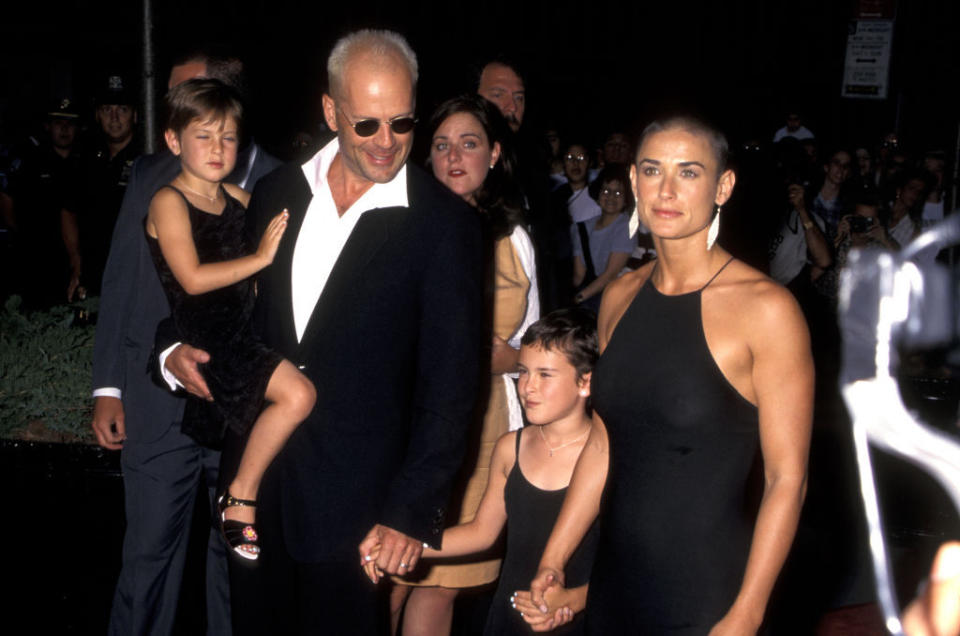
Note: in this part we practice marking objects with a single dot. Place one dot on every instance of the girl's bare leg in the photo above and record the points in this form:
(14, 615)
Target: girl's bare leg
(290, 396)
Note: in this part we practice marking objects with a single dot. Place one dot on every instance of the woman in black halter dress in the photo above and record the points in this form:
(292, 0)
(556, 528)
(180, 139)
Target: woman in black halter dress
(704, 362)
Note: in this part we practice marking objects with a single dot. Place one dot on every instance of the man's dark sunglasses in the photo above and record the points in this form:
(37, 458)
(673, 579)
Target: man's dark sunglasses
(369, 127)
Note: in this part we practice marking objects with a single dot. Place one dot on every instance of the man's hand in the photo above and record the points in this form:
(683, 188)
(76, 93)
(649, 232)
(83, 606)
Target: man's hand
(546, 578)
(795, 194)
(182, 363)
(108, 424)
(390, 551)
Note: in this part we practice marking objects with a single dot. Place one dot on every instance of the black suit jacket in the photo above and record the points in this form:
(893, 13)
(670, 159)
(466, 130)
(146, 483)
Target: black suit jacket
(394, 350)
(133, 302)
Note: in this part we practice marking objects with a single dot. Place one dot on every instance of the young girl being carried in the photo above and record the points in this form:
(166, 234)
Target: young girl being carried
(196, 234)
(529, 473)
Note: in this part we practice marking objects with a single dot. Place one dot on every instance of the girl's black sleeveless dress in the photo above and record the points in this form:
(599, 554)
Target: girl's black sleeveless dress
(531, 513)
(219, 323)
(679, 504)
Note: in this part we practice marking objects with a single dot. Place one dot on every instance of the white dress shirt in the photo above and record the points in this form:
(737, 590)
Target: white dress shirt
(324, 232)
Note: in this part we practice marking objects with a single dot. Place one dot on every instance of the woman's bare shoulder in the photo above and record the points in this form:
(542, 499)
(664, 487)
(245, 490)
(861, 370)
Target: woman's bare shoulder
(617, 297)
(759, 300)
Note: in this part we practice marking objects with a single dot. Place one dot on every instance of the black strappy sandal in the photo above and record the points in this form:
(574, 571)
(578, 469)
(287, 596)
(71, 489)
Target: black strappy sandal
(241, 536)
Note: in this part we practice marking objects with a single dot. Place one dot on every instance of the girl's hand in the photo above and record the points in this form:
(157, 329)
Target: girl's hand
(271, 237)
(368, 562)
(558, 611)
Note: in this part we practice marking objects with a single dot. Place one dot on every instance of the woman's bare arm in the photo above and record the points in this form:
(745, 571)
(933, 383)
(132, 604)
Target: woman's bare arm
(615, 264)
(782, 377)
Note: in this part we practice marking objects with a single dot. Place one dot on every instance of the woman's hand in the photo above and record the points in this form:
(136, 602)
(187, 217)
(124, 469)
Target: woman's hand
(734, 624)
(271, 237)
(503, 357)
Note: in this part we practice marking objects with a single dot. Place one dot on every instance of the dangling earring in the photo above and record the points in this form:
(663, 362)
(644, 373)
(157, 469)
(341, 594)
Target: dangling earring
(714, 230)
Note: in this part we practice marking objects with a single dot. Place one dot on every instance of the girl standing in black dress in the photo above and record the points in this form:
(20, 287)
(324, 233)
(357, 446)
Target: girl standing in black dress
(529, 472)
(196, 230)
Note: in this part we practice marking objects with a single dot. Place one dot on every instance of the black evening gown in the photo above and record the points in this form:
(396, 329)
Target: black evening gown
(531, 513)
(679, 504)
(218, 322)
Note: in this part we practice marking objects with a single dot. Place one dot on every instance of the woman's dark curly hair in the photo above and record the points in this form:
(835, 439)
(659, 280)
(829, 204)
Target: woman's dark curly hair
(613, 172)
(499, 199)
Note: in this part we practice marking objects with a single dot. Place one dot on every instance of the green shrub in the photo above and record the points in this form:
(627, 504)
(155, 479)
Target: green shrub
(45, 365)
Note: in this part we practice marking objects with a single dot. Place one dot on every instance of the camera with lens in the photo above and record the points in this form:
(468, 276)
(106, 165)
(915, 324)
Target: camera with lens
(860, 224)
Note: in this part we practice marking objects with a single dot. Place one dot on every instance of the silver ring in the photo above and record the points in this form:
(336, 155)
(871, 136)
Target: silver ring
(402, 564)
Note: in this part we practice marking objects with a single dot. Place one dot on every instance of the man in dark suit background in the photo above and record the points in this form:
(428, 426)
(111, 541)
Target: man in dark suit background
(161, 467)
(376, 294)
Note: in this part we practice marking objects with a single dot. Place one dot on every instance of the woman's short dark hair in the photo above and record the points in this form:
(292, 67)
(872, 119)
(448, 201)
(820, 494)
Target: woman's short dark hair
(205, 99)
(572, 332)
(499, 196)
(716, 139)
(613, 172)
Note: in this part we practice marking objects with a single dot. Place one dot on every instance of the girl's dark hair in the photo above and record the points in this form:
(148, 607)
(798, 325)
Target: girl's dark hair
(571, 331)
(205, 99)
(716, 139)
(499, 199)
(613, 172)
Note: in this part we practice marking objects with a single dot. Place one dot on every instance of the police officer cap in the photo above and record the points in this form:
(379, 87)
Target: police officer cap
(63, 108)
(115, 89)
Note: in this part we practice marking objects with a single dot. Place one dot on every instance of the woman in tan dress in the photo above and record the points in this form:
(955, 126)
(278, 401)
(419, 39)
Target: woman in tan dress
(468, 154)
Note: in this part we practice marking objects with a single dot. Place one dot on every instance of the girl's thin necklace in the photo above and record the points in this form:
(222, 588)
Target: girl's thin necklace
(212, 199)
(564, 445)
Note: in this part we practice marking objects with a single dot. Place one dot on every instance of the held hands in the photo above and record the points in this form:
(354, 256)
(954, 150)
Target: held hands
(271, 237)
(546, 578)
(387, 550)
(558, 609)
(108, 424)
(182, 363)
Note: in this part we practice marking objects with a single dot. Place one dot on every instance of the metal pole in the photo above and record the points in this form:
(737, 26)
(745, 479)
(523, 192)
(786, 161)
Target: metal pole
(148, 92)
(952, 203)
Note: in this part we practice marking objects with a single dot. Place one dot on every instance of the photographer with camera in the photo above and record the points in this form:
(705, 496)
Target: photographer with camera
(866, 227)
(800, 249)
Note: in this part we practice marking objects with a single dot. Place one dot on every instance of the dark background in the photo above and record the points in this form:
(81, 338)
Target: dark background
(591, 66)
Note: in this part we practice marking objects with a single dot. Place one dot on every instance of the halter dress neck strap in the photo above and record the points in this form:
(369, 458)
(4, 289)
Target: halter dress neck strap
(719, 271)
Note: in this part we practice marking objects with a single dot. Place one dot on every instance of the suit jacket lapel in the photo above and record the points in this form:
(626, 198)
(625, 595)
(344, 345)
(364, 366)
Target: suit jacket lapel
(296, 204)
(339, 294)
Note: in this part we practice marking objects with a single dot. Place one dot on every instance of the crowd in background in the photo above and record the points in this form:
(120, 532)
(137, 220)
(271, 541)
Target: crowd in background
(61, 185)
